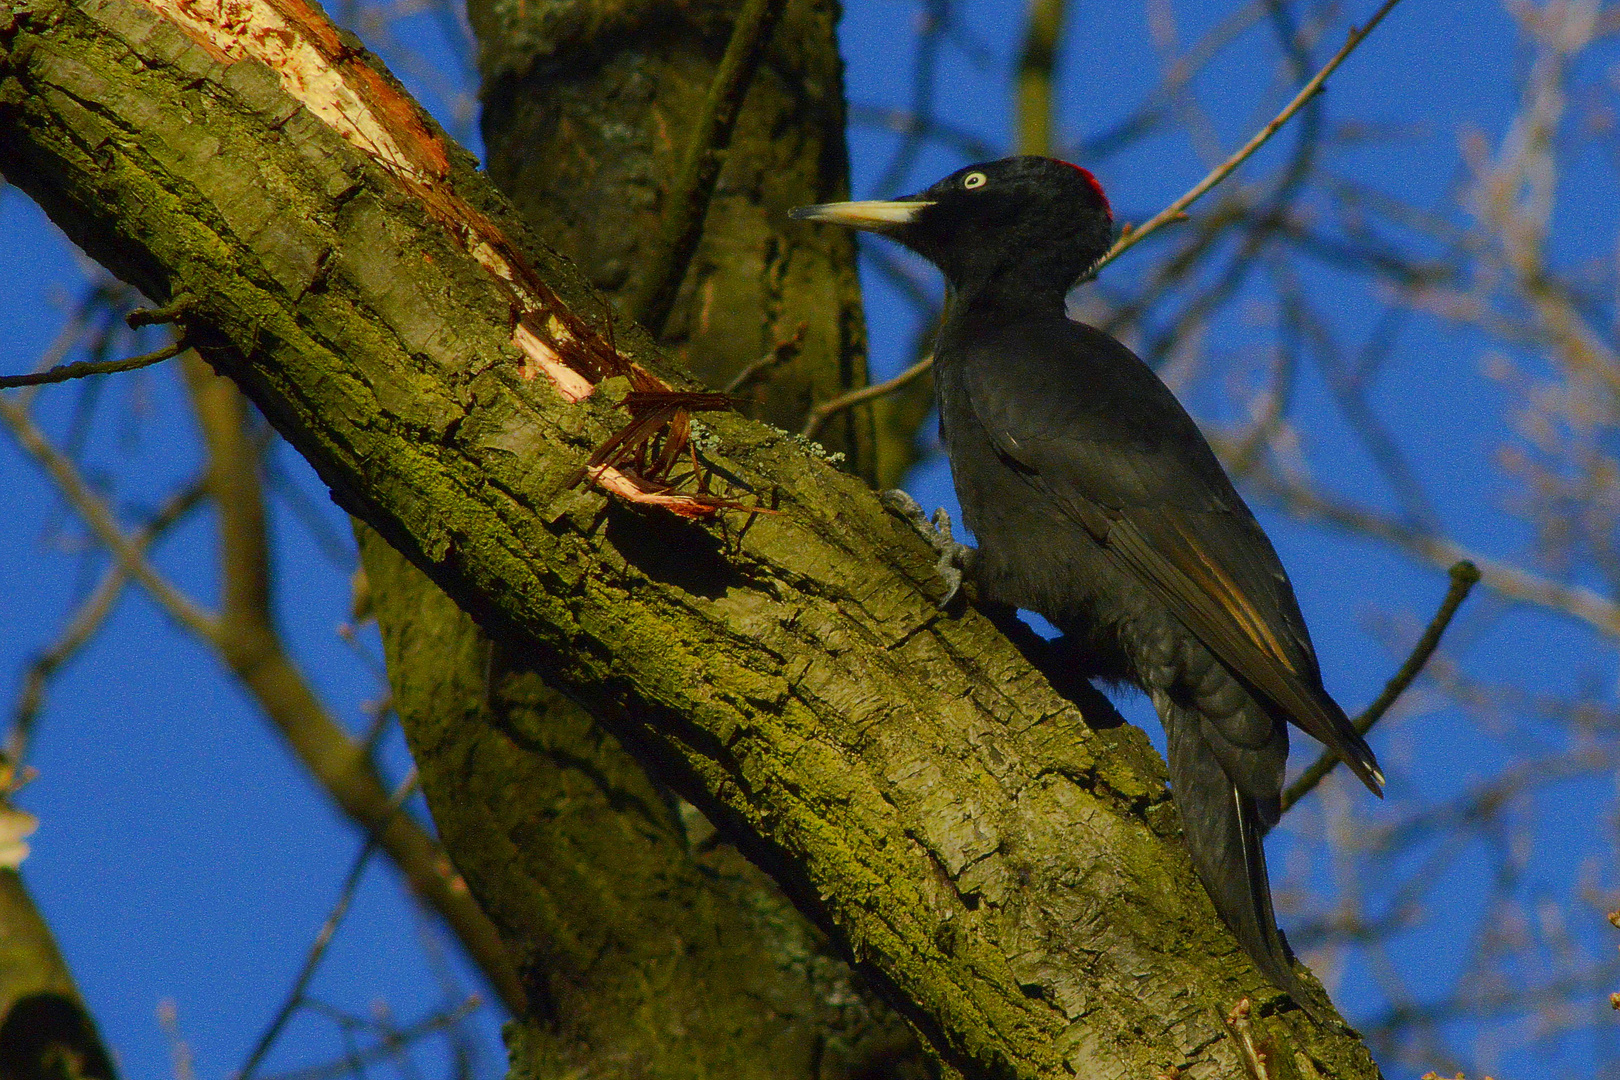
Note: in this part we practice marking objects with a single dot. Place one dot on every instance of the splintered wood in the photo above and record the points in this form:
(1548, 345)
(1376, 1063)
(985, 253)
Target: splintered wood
(337, 83)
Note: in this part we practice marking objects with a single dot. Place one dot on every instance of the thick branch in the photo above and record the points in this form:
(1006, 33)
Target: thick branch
(632, 927)
(1003, 869)
(1037, 68)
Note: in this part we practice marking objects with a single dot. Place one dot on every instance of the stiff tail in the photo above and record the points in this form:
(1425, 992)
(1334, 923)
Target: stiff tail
(1224, 830)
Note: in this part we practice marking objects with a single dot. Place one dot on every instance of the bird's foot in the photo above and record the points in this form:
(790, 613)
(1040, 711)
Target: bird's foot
(955, 559)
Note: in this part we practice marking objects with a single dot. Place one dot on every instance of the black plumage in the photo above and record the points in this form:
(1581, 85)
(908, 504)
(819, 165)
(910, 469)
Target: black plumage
(1098, 503)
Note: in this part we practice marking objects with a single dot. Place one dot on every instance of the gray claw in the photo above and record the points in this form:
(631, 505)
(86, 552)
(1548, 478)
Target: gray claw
(954, 559)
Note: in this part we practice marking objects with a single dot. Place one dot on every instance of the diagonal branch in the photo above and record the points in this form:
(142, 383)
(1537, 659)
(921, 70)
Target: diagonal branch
(323, 939)
(85, 368)
(99, 517)
(910, 781)
(828, 409)
(245, 638)
(84, 623)
(1498, 575)
(248, 642)
(1464, 576)
(1178, 209)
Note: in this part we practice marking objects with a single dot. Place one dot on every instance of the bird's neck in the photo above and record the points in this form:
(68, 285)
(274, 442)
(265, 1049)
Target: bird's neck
(1031, 280)
(1007, 297)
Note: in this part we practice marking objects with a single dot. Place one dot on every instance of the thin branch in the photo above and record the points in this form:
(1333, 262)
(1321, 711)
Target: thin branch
(245, 638)
(780, 353)
(1037, 64)
(85, 622)
(1177, 210)
(348, 1065)
(1464, 576)
(85, 368)
(1512, 582)
(99, 517)
(1152, 114)
(965, 143)
(689, 199)
(936, 17)
(822, 413)
(1351, 397)
(317, 951)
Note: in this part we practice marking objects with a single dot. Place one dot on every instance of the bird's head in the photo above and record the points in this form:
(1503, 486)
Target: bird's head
(1021, 222)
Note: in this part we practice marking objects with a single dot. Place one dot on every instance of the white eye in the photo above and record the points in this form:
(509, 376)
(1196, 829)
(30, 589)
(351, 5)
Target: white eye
(974, 180)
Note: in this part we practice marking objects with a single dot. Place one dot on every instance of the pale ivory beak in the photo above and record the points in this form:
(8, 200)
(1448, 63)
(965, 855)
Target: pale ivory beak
(875, 215)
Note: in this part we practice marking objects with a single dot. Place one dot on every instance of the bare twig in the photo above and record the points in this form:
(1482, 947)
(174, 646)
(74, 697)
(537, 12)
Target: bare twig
(965, 143)
(822, 413)
(1464, 576)
(85, 368)
(1254, 1058)
(1512, 582)
(185, 1062)
(99, 517)
(350, 1064)
(780, 353)
(689, 199)
(317, 951)
(167, 313)
(1178, 209)
(936, 16)
(1152, 114)
(245, 638)
(85, 622)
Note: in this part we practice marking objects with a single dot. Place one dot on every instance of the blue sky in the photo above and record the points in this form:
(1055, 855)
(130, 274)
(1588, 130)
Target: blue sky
(183, 856)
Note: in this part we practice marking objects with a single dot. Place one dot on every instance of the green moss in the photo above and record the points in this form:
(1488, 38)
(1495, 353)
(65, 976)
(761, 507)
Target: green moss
(1097, 916)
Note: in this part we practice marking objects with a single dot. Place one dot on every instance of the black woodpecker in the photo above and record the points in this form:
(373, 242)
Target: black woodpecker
(1098, 503)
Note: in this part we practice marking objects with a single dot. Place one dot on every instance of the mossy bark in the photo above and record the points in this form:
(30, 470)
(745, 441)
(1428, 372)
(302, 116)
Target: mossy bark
(1007, 873)
(588, 109)
(648, 947)
(45, 1031)
(645, 956)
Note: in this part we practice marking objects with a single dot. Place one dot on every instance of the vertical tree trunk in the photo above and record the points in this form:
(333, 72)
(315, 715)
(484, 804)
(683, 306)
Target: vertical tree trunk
(660, 950)
(588, 109)
(1006, 870)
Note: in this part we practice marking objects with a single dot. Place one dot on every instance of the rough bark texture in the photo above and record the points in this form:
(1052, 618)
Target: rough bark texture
(1005, 871)
(649, 947)
(646, 955)
(588, 108)
(251, 648)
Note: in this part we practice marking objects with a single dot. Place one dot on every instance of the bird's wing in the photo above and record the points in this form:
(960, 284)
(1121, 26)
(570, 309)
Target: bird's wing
(1188, 575)
(1102, 436)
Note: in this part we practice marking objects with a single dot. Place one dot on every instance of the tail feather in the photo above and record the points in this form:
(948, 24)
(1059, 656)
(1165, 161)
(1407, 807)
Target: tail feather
(1224, 830)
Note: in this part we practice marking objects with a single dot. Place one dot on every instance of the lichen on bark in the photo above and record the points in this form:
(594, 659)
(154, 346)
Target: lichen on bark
(695, 943)
(1003, 870)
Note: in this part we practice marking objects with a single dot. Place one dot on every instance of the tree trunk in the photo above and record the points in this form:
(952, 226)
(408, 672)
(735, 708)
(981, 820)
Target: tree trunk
(682, 958)
(647, 947)
(1009, 875)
